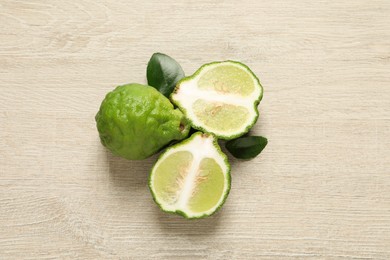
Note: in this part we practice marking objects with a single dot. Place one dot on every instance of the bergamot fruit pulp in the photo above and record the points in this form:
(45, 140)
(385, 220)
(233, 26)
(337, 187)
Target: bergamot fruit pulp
(220, 98)
(135, 121)
(191, 178)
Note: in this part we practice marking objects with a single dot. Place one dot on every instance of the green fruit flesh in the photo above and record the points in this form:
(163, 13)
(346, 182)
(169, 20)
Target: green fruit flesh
(219, 116)
(209, 186)
(227, 79)
(170, 176)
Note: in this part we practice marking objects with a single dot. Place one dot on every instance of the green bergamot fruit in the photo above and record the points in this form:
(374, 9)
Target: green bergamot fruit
(135, 121)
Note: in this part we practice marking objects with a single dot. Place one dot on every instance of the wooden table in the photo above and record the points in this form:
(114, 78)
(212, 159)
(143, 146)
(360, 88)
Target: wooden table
(320, 190)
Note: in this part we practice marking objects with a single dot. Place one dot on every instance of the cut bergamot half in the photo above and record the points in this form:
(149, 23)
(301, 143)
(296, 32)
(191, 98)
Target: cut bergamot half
(191, 178)
(220, 98)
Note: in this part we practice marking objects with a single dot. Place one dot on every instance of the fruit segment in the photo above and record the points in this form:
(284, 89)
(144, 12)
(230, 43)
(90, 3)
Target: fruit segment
(219, 116)
(172, 174)
(226, 78)
(208, 186)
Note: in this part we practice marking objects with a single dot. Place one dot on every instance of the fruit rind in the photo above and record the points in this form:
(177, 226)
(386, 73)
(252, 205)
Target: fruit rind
(227, 177)
(256, 102)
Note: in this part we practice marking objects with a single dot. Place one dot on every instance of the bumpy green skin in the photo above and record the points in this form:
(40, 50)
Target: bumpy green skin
(135, 121)
(229, 179)
(256, 102)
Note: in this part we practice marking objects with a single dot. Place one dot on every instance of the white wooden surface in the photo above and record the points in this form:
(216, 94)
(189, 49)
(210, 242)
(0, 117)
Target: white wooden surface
(320, 190)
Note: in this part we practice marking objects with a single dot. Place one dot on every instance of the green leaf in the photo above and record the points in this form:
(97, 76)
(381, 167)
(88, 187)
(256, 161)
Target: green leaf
(246, 147)
(163, 73)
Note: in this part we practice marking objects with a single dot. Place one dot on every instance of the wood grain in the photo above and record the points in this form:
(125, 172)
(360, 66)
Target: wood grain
(320, 190)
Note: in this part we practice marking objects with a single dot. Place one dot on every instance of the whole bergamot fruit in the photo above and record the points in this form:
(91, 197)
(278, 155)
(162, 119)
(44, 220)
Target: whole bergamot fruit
(135, 121)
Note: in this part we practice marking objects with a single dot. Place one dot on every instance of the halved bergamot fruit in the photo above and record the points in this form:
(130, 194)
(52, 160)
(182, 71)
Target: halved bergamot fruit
(220, 98)
(191, 178)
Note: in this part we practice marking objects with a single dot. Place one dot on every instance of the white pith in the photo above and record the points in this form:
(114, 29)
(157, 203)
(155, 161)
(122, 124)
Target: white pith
(188, 93)
(201, 146)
